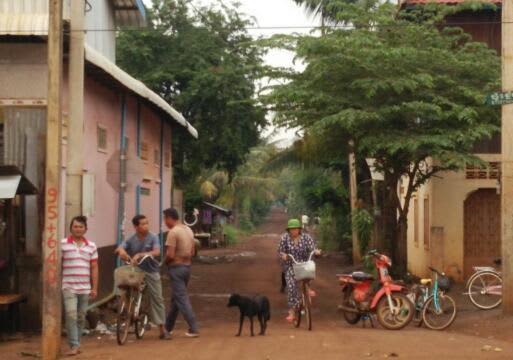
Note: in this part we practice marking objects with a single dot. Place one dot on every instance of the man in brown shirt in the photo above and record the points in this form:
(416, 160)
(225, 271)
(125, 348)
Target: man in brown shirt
(180, 248)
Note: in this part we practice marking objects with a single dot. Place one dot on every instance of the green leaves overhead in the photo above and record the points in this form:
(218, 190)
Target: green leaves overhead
(203, 62)
(398, 88)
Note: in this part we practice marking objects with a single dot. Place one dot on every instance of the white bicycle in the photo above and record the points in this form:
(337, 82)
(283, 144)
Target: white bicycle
(484, 287)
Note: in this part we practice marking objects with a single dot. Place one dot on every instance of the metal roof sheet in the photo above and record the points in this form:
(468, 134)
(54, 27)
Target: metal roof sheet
(227, 212)
(30, 17)
(12, 182)
(129, 13)
(136, 86)
(446, 2)
(23, 24)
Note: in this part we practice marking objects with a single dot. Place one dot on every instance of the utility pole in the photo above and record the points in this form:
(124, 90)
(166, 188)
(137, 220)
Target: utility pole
(51, 246)
(353, 188)
(74, 165)
(507, 160)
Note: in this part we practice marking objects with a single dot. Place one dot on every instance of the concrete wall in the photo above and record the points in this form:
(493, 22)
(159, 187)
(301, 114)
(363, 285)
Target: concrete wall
(446, 194)
(23, 71)
(103, 106)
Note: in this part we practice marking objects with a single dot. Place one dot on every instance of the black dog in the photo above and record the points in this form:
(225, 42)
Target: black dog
(258, 306)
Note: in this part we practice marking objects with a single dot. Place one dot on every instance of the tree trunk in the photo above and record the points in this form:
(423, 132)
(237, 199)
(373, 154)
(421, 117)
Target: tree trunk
(389, 215)
(401, 250)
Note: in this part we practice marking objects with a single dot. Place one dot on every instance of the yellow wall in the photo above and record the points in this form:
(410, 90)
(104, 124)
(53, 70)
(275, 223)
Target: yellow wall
(446, 194)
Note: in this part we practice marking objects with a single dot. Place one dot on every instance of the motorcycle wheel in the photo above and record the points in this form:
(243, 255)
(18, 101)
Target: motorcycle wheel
(395, 321)
(350, 317)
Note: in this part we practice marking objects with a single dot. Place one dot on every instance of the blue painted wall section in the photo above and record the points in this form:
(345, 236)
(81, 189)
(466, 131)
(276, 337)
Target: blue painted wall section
(161, 185)
(122, 173)
(138, 147)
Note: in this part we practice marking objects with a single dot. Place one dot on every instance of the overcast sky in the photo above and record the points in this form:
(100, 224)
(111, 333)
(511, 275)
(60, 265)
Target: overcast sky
(273, 13)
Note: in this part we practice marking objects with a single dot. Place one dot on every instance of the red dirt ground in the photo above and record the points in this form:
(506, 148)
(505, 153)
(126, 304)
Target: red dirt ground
(331, 338)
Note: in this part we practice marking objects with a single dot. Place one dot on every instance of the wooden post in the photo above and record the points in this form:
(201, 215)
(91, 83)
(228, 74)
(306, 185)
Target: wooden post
(51, 249)
(507, 160)
(353, 187)
(74, 159)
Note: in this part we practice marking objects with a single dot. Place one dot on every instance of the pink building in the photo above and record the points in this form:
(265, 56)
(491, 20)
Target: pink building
(127, 162)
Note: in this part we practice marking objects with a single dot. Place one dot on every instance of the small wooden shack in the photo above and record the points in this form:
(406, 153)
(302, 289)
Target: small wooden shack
(209, 229)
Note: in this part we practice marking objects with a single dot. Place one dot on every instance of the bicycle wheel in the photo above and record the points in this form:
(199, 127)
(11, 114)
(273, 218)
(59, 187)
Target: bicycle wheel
(307, 301)
(123, 321)
(140, 324)
(439, 317)
(485, 290)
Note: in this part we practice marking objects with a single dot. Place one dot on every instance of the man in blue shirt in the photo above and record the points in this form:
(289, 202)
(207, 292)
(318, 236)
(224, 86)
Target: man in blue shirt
(142, 243)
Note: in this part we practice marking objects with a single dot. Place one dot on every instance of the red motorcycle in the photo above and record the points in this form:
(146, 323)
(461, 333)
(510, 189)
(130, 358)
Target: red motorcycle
(387, 299)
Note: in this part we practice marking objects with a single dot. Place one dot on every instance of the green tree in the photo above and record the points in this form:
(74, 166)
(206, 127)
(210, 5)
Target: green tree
(203, 61)
(410, 93)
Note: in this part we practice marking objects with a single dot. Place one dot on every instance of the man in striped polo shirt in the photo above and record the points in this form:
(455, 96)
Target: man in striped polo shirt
(79, 279)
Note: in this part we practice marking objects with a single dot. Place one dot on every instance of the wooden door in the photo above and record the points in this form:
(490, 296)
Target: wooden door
(482, 234)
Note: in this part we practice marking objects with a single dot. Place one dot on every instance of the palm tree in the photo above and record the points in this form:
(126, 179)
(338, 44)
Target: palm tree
(312, 6)
(250, 185)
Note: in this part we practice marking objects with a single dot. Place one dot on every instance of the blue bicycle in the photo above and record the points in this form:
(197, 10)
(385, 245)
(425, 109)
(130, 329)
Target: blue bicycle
(433, 306)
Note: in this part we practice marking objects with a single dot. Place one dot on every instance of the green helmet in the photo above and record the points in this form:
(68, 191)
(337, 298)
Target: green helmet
(293, 224)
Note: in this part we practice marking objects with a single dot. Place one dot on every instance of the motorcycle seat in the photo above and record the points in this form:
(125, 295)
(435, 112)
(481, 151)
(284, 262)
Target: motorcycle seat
(361, 276)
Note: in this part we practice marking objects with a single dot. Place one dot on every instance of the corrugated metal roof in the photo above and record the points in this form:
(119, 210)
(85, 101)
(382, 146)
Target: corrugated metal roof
(23, 24)
(27, 17)
(446, 2)
(129, 12)
(23, 6)
(132, 18)
(136, 86)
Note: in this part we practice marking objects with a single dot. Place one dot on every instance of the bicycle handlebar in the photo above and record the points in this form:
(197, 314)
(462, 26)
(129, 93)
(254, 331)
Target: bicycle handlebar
(436, 271)
(129, 262)
(297, 262)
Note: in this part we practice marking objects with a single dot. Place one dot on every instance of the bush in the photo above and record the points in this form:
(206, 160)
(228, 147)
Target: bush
(232, 234)
(363, 223)
(334, 230)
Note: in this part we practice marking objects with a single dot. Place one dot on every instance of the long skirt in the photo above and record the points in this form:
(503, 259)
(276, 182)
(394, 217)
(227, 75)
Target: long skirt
(293, 294)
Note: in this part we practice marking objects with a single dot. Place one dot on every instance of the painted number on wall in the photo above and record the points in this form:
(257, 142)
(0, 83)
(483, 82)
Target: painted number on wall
(51, 235)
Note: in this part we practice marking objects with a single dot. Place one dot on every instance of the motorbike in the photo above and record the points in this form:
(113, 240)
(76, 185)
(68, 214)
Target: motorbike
(363, 295)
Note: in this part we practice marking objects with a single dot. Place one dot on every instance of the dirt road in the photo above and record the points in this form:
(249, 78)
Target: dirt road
(331, 338)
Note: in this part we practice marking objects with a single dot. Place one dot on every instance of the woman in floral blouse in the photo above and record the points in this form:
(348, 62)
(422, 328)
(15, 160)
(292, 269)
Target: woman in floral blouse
(298, 244)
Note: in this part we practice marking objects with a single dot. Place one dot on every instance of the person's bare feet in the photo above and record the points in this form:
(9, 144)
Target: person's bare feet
(73, 351)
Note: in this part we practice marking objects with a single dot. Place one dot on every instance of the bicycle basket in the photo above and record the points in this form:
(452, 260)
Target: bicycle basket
(304, 270)
(444, 283)
(128, 277)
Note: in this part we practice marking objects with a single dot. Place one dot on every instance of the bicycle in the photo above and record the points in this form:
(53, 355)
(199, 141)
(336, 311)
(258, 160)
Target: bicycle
(484, 287)
(131, 311)
(433, 306)
(304, 272)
